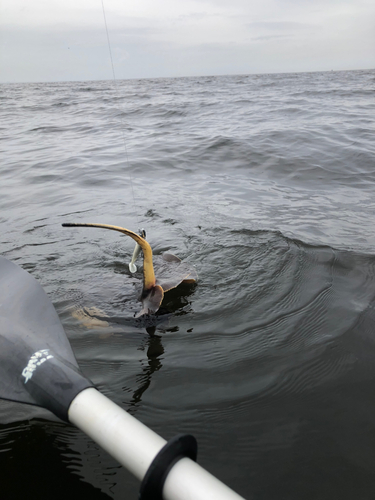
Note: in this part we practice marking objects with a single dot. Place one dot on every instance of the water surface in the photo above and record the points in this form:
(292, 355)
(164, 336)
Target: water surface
(266, 184)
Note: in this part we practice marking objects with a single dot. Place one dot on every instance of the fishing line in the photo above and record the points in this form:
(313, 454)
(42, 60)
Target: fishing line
(122, 111)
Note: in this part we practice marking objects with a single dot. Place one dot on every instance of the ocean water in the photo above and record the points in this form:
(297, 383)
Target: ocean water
(266, 184)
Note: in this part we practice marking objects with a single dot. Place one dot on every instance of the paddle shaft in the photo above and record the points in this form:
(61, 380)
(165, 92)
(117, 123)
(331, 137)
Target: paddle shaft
(135, 446)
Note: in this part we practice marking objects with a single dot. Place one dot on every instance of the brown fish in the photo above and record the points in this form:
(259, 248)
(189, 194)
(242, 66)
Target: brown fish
(171, 271)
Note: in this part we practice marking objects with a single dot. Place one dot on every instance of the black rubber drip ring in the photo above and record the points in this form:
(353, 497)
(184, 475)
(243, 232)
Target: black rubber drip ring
(181, 446)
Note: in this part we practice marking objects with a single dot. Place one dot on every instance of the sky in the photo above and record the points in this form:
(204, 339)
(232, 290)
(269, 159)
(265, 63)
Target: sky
(66, 40)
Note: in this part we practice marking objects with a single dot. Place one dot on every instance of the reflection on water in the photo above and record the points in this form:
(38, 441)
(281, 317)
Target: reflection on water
(154, 350)
(57, 478)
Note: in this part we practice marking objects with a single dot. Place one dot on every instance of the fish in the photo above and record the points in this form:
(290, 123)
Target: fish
(171, 271)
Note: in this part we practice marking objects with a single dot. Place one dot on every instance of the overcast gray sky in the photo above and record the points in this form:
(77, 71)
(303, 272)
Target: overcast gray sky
(54, 40)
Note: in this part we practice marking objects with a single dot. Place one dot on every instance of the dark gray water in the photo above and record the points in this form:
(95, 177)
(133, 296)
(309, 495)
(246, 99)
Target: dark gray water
(267, 185)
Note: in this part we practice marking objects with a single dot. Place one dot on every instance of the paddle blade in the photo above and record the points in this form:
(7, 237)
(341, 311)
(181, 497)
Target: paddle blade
(37, 364)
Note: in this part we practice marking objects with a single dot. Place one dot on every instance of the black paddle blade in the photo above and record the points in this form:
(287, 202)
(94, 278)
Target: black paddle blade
(37, 364)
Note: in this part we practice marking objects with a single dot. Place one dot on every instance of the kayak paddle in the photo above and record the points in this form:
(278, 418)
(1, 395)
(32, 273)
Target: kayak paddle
(38, 367)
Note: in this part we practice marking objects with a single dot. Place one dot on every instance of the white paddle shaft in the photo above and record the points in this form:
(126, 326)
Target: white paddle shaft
(135, 446)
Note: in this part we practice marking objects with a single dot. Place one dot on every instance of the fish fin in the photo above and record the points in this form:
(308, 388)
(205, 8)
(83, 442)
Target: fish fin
(151, 301)
(169, 257)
